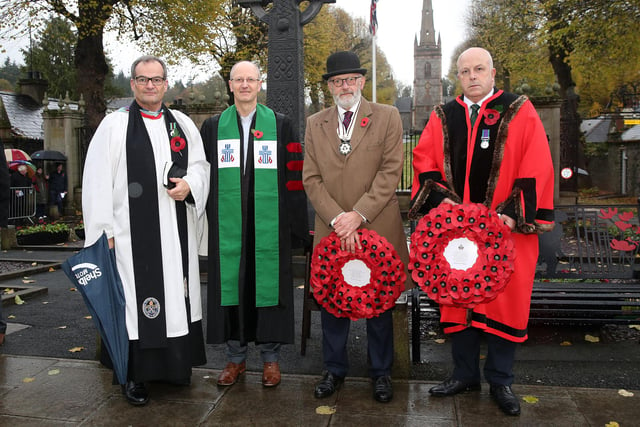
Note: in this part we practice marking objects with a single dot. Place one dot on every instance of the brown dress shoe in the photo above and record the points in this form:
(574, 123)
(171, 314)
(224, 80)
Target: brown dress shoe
(229, 375)
(270, 374)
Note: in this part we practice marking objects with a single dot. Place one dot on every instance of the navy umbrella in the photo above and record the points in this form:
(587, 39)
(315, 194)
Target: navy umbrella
(94, 273)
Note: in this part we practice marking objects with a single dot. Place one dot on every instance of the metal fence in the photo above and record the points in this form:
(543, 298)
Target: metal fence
(410, 140)
(22, 203)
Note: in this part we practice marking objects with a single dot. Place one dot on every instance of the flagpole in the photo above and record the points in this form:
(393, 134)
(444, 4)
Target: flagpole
(373, 28)
(373, 65)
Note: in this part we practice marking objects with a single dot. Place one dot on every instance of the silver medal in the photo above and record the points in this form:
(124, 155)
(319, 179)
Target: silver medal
(484, 139)
(345, 147)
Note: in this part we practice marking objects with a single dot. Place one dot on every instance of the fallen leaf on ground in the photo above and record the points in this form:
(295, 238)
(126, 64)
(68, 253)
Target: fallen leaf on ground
(432, 333)
(73, 289)
(52, 269)
(300, 287)
(439, 341)
(75, 349)
(625, 393)
(566, 343)
(591, 338)
(45, 302)
(54, 372)
(18, 300)
(34, 263)
(11, 316)
(28, 380)
(612, 424)
(8, 291)
(635, 327)
(61, 327)
(325, 410)
(28, 281)
(88, 317)
(530, 399)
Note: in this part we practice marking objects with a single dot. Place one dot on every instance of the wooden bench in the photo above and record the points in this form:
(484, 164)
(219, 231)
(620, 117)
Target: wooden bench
(585, 303)
(580, 278)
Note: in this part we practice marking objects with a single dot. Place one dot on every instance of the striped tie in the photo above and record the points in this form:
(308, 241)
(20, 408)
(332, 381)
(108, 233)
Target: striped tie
(347, 119)
(474, 113)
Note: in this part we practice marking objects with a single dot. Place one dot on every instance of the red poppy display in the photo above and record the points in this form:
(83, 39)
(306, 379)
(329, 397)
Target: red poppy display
(256, 133)
(346, 298)
(461, 255)
(364, 121)
(178, 143)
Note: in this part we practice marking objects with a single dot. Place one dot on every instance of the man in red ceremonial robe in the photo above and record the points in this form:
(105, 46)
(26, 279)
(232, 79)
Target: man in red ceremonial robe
(488, 146)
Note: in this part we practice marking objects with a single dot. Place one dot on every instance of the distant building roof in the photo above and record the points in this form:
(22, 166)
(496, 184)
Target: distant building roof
(632, 134)
(596, 130)
(23, 114)
(117, 103)
(404, 104)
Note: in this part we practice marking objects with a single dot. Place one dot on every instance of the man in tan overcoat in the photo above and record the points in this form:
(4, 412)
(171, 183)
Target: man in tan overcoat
(353, 162)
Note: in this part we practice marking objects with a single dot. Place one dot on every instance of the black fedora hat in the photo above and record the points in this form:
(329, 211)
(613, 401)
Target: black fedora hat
(344, 62)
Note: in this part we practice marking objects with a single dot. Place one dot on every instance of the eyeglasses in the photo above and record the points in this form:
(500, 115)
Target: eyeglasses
(249, 80)
(142, 80)
(339, 82)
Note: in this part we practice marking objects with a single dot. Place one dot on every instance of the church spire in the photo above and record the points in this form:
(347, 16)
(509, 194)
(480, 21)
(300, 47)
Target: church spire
(427, 69)
(427, 30)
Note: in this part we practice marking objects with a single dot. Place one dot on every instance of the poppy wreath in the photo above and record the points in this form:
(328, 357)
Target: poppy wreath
(330, 289)
(442, 232)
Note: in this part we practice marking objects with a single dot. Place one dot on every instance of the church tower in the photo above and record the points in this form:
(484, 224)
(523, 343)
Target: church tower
(427, 63)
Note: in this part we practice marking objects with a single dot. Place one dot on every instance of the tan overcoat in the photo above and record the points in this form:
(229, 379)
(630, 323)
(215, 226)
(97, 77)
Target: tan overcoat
(365, 180)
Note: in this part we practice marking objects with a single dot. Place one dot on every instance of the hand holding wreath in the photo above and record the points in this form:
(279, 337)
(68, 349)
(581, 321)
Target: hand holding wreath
(461, 255)
(360, 284)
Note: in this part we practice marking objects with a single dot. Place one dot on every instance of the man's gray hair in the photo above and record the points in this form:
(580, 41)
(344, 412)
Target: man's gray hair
(148, 58)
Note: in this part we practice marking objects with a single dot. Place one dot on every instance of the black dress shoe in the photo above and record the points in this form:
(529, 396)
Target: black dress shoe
(451, 387)
(382, 389)
(505, 398)
(135, 393)
(328, 385)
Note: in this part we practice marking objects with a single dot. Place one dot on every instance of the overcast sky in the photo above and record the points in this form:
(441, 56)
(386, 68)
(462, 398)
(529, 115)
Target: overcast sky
(398, 24)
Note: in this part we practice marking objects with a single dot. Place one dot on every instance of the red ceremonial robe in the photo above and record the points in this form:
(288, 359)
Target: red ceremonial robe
(513, 175)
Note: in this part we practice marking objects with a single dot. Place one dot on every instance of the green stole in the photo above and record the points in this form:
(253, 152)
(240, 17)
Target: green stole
(266, 220)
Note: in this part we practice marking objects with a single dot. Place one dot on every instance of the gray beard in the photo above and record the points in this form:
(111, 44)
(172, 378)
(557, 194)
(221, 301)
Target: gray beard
(345, 104)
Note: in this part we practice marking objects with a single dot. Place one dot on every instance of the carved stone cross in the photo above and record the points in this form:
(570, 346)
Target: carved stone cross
(285, 70)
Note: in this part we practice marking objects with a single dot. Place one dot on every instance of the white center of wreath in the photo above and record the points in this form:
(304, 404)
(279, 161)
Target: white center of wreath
(356, 273)
(461, 253)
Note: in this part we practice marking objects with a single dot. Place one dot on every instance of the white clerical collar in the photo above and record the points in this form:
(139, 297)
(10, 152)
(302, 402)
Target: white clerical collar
(470, 102)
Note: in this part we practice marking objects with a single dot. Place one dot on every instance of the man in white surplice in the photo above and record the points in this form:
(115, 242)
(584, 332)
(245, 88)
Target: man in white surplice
(145, 184)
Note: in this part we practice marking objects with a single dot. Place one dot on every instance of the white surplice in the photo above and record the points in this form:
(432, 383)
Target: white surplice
(105, 205)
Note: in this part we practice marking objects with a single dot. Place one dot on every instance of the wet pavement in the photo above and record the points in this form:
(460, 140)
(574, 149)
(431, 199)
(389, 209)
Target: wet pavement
(42, 383)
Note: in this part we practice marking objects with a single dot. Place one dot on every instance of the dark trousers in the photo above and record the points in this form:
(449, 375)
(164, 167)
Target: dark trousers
(335, 332)
(465, 349)
(3, 324)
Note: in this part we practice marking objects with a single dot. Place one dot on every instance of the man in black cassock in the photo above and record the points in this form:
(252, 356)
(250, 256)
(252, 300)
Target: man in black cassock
(256, 213)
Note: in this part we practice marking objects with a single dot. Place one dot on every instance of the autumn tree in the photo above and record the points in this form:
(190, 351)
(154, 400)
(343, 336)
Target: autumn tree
(592, 42)
(162, 22)
(52, 54)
